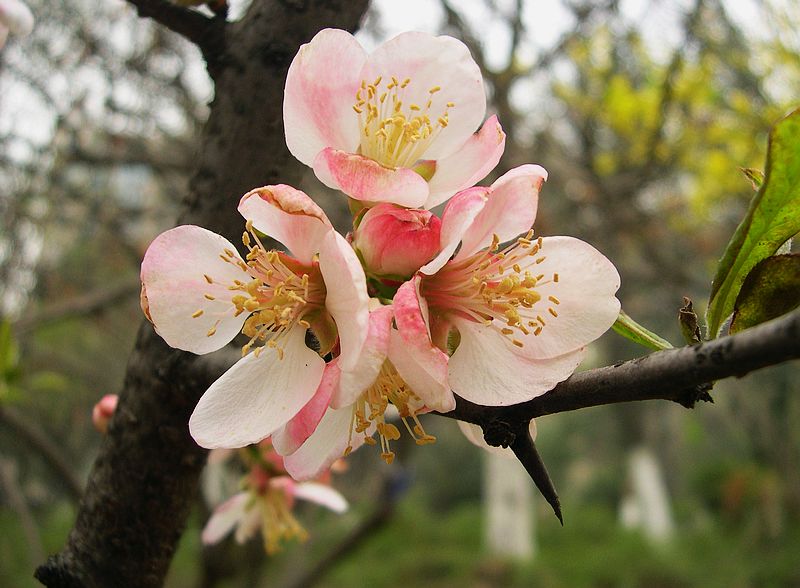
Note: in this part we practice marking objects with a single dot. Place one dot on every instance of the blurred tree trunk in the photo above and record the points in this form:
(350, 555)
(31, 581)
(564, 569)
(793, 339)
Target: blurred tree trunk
(144, 480)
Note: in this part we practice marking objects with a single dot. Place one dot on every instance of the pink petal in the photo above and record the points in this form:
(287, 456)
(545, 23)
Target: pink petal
(474, 435)
(320, 93)
(288, 216)
(365, 179)
(173, 280)
(457, 217)
(224, 518)
(347, 300)
(422, 365)
(355, 381)
(326, 445)
(509, 211)
(587, 308)
(486, 370)
(291, 436)
(469, 165)
(430, 61)
(321, 494)
(257, 395)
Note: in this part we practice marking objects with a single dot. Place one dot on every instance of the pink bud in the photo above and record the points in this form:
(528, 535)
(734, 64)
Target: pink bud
(103, 411)
(395, 241)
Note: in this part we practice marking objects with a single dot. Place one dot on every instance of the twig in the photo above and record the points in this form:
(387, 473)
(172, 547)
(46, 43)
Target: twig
(205, 32)
(44, 448)
(15, 497)
(681, 375)
(79, 306)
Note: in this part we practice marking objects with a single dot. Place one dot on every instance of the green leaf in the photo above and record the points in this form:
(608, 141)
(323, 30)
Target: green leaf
(630, 329)
(770, 290)
(772, 219)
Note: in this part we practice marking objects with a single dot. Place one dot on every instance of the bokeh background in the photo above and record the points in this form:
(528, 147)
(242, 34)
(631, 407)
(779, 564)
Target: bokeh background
(642, 111)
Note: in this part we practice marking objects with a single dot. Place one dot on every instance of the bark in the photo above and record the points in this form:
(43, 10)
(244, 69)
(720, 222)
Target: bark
(144, 479)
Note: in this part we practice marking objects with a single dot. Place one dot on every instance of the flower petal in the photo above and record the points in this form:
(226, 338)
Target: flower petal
(347, 300)
(486, 370)
(586, 307)
(224, 518)
(365, 179)
(321, 494)
(17, 17)
(430, 61)
(474, 435)
(293, 434)
(356, 380)
(175, 288)
(320, 93)
(327, 444)
(421, 364)
(289, 216)
(257, 395)
(509, 211)
(457, 217)
(469, 165)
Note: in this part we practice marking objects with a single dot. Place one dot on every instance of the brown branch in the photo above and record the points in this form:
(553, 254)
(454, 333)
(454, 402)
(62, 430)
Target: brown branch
(681, 375)
(143, 481)
(205, 32)
(83, 305)
(43, 447)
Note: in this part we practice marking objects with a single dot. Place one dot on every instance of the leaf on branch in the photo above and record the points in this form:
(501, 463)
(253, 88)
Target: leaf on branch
(756, 176)
(630, 329)
(772, 219)
(771, 289)
(687, 318)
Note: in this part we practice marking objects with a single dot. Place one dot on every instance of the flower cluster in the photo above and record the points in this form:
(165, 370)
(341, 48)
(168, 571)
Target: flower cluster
(411, 308)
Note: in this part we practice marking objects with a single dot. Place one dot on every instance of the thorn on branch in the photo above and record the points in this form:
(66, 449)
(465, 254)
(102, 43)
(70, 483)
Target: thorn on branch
(525, 450)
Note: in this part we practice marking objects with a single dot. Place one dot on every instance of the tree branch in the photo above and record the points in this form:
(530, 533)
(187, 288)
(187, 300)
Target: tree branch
(43, 447)
(203, 31)
(681, 375)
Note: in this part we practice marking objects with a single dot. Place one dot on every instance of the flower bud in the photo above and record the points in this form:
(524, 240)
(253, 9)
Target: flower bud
(395, 241)
(103, 411)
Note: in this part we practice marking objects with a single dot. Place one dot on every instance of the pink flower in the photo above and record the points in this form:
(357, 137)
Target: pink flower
(103, 411)
(199, 294)
(15, 18)
(358, 399)
(395, 242)
(393, 126)
(496, 324)
(266, 505)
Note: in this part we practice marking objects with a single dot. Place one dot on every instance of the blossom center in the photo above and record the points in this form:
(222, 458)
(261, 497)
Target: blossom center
(394, 133)
(371, 407)
(280, 294)
(496, 286)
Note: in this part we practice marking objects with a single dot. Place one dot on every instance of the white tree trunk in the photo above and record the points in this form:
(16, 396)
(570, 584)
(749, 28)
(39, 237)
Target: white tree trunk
(508, 504)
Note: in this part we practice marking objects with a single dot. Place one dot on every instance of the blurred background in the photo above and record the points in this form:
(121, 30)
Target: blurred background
(643, 112)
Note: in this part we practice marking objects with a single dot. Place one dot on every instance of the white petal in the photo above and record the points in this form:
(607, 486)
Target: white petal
(17, 17)
(320, 93)
(321, 494)
(354, 382)
(347, 300)
(510, 209)
(257, 395)
(172, 275)
(430, 61)
(224, 518)
(587, 308)
(326, 445)
(289, 216)
(458, 216)
(469, 165)
(486, 370)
